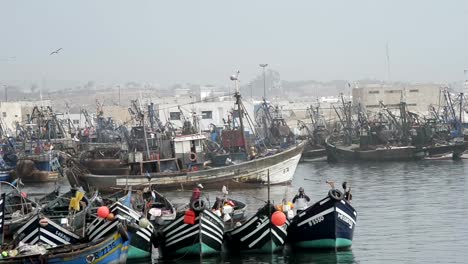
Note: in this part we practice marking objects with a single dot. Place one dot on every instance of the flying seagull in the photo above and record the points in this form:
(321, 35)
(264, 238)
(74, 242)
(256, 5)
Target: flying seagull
(55, 51)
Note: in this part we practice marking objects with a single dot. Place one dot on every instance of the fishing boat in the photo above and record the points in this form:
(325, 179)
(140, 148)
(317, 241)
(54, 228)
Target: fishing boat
(38, 167)
(18, 209)
(378, 139)
(197, 232)
(8, 160)
(259, 234)
(316, 134)
(327, 224)
(157, 208)
(57, 222)
(353, 152)
(44, 142)
(281, 162)
(110, 249)
(139, 235)
(243, 163)
(118, 235)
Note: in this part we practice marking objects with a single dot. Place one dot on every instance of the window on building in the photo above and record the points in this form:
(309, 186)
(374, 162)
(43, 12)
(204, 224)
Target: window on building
(393, 91)
(374, 92)
(372, 106)
(75, 121)
(414, 91)
(411, 104)
(4, 114)
(207, 114)
(174, 115)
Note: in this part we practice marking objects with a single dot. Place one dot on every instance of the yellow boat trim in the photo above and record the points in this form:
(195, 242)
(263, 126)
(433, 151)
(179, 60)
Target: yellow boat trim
(110, 252)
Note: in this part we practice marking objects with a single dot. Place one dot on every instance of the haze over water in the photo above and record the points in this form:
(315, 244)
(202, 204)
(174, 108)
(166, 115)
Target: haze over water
(412, 212)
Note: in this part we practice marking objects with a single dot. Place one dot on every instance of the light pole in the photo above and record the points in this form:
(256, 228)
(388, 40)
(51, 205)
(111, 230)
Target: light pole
(264, 80)
(119, 93)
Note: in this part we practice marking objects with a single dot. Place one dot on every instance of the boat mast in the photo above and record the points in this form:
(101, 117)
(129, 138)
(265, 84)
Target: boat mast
(237, 95)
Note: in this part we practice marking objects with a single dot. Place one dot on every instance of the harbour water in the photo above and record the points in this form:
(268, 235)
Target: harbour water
(413, 212)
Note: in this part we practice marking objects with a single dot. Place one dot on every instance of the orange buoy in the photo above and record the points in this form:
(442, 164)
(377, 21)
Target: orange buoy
(110, 217)
(103, 211)
(278, 218)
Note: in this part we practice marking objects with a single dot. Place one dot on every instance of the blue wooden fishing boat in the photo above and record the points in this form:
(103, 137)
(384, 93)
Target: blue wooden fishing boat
(329, 223)
(111, 249)
(108, 240)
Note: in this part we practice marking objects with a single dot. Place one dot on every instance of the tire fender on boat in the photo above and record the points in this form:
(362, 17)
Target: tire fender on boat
(193, 156)
(197, 205)
(336, 194)
(90, 258)
(122, 231)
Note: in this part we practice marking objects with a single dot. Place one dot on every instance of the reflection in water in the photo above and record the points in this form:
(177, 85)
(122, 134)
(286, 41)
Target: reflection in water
(342, 257)
(329, 257)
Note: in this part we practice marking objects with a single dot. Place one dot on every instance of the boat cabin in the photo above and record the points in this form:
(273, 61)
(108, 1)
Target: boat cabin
(189, 149)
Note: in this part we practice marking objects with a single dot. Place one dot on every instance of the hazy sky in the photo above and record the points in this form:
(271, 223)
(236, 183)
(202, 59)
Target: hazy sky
(204, 42)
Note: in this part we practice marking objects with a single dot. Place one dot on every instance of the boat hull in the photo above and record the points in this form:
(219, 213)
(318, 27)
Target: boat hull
(350, 153)
(257, 235)
(455, 150)
(111, 250)
(328, 224)
(140, 241)
(30, 170)
(204, 237)
(5, 175)
(280, 167)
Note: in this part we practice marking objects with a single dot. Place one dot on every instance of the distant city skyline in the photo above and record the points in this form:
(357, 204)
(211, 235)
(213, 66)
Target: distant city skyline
(205, 42)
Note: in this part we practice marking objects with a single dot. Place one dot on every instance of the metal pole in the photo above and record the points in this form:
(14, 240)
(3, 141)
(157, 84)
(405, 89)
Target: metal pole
(264, 79)
(264, 83)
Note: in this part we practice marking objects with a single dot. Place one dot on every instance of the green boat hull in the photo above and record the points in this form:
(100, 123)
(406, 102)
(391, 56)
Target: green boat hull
(325, 243)
(269, 247)
(198, 249)
(136, 253)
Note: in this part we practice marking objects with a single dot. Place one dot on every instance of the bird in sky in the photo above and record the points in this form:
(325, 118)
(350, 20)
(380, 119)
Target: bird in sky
(55, 51)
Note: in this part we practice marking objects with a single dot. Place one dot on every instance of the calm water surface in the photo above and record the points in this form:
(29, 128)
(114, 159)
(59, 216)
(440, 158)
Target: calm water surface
(414, 212)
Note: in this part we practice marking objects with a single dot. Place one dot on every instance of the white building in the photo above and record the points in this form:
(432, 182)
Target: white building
(418, 97)
(17, 112)
(215, 112)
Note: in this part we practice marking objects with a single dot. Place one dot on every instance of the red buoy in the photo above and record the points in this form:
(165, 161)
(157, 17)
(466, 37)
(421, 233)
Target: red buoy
(189, 217)
(103, 211)
(278, 218)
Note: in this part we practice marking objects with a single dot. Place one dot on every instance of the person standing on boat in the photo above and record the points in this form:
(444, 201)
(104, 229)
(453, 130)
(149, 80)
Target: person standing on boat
(301, 199)
(197, 202)
(347, 192)
(196, 193)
